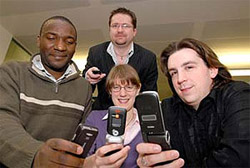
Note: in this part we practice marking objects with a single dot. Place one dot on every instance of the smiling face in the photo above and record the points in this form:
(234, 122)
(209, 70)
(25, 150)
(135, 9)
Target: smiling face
(125, 97)
(121, 35)
(191, 78)
(57, 43)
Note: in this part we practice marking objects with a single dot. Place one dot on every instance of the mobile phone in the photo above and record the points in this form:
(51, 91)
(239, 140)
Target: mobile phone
(97, 72)
(116, 126)
(151, 119)
(85, 136)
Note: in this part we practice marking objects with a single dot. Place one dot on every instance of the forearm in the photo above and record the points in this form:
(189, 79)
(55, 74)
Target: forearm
(17, 148)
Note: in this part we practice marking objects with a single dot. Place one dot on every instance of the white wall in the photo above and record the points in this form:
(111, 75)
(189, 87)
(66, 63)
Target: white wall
(4, 42)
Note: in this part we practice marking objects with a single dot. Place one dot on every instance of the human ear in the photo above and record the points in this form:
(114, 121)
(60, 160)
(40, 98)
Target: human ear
(213, 72)
(135, 32)
(138, 90)
(38, 41)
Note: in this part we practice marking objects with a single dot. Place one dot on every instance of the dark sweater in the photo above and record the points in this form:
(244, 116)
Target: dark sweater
(218, 133)
(33, 109)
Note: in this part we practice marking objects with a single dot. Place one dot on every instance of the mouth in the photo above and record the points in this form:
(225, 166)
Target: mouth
(123, 101)
(58, 56)
(185, 89)
(120, 36)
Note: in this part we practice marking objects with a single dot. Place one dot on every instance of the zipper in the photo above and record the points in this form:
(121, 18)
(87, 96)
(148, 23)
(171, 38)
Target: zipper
(56, 87)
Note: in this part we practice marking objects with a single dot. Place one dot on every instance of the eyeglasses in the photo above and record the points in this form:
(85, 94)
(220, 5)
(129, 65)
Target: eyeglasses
(127, 88)
(123, 26)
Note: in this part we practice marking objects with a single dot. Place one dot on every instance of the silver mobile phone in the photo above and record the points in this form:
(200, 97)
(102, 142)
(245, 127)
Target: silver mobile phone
(116, 126)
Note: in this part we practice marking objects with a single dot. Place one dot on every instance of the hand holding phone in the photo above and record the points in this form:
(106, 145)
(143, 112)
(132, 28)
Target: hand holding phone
(96, 72)
(85, 136)
(116, 126)
(151, 119)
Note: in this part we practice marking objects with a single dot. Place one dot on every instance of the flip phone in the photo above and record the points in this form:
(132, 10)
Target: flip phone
(116, 126)
(85, 136)
(151, 119)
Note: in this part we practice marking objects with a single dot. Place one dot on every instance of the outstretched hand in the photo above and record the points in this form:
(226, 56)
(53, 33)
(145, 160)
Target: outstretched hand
(99, 159)
(94, 78)
(151, 154)
(58, 153)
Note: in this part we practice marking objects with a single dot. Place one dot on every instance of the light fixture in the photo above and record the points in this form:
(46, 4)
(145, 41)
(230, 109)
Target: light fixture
(240, 72)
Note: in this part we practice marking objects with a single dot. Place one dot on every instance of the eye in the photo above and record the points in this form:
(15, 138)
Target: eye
(51, 37)
(172, 73)
(126, 26)
(129, 88)
(114, 25)
(70, 41)
(189, 67)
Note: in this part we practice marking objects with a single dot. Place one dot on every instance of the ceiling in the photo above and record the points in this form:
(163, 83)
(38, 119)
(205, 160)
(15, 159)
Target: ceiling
(222, 24)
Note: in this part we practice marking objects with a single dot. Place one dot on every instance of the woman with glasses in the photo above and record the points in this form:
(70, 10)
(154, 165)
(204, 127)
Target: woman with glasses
(123, 85)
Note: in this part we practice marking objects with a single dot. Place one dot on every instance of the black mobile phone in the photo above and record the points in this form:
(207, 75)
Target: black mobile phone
(85, 136)
(97, 72)
(151, 119)
(116, 126)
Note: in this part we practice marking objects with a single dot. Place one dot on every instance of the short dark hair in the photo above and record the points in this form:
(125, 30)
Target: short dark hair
(125, 11)
(205, 53)
(62, 18)
(126, 73)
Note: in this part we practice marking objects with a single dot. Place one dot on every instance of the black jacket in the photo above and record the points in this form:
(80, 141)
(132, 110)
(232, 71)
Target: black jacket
(143, 60)
(218, 133)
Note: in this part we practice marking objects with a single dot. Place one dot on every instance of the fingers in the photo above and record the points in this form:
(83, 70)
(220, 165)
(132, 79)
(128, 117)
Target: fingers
(174, 164)
(56, 152)
(66, 159)
(94, 78)
(114, 160)
(147, 148)
(64, 145)
(152, 159)
(107, 148)
(151, 154)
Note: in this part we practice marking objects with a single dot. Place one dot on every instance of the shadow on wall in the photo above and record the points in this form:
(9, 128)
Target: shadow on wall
(16, 52)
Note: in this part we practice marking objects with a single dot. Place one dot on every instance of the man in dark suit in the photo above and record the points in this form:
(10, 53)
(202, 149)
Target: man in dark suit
(120, 50)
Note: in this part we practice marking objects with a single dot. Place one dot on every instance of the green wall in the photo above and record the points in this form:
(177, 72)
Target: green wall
(16, 52)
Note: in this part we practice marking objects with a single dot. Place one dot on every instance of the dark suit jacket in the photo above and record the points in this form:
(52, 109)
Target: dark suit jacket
(143, 60)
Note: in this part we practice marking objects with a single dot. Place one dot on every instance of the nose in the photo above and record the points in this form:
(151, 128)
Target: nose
(123, 91)
(60, 45)
(120, 28)
(181, 77)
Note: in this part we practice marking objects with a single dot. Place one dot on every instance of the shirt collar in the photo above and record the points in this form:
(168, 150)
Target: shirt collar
(111, 52)
(37, 63)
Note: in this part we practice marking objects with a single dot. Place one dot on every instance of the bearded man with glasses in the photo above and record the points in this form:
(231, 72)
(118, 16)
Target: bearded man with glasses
(120, 50)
